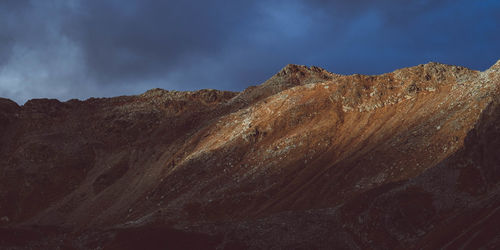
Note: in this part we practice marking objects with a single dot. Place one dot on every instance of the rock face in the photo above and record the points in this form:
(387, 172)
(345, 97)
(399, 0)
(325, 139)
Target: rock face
(309, 159)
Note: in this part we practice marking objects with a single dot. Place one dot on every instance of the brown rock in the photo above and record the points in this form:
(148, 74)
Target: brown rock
(308, 159)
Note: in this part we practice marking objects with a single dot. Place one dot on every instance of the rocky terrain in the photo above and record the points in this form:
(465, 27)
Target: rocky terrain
(307, 160)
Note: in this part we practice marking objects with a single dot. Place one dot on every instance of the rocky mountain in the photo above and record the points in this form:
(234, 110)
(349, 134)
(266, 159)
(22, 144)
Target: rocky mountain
(307, 160)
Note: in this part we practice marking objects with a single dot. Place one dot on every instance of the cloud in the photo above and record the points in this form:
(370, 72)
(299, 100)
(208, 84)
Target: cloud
(77, 49)
(124, 41)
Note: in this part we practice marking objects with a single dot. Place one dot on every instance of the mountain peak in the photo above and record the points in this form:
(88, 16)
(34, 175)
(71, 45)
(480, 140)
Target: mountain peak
(310, 156)
(293, 75)
(291, 69)
(495, 66)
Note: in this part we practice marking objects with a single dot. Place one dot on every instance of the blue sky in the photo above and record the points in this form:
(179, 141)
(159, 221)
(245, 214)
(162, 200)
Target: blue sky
(81, 48)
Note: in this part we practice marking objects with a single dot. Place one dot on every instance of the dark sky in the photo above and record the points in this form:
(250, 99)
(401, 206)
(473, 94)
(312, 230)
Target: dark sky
(80, 48)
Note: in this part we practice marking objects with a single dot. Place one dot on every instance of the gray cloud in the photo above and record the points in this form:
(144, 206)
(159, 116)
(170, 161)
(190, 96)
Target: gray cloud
(122, 42)
(77, 49)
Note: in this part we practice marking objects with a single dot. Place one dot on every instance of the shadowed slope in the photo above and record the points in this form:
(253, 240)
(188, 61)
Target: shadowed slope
(358, 152)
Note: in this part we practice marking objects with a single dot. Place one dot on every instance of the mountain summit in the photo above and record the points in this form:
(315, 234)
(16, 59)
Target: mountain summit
(308, 159)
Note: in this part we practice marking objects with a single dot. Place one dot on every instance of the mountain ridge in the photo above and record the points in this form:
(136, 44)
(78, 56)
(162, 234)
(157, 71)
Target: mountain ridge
(229, 163)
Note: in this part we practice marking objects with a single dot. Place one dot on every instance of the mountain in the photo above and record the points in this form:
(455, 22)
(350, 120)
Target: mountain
(307, 160)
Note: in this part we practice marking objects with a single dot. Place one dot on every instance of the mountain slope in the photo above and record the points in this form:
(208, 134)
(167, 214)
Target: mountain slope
(307, 158)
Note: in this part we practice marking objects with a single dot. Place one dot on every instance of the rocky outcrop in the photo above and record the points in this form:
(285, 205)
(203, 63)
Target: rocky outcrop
(308, 159)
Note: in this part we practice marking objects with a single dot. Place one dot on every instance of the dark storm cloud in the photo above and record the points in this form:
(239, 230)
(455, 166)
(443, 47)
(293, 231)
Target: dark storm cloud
(77, 48)
(124, 41)
(377, 36)
(8, 34)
